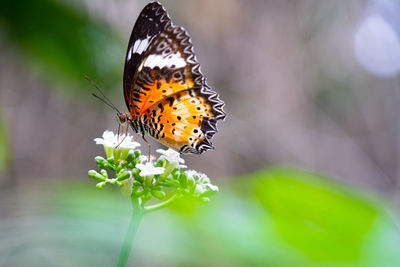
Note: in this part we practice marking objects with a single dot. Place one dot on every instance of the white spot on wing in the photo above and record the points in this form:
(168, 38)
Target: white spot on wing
(160, 61)
(142, 45)
(139, 46)
(128, 57)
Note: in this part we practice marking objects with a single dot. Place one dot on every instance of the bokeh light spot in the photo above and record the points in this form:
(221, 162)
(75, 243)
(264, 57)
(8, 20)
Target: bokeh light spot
(377, 47)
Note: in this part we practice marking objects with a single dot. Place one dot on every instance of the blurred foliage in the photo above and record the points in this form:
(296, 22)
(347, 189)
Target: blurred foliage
(315, 216)
(279, 217)
(4, 146)
(335, 98)
(62, 43)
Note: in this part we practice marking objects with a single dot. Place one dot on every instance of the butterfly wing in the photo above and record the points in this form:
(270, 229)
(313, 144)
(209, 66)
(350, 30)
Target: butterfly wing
(165, 69)
(185, 121)
(165, 90)
(152, 20)
(174, 101)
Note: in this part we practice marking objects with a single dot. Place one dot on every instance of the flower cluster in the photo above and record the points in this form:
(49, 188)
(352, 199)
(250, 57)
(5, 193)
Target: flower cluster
(141, 177)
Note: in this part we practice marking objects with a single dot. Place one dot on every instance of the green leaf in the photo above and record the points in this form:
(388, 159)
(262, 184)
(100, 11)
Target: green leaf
(315, 215)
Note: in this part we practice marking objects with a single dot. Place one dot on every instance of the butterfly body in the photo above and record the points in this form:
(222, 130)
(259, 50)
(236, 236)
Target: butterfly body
(165, 92)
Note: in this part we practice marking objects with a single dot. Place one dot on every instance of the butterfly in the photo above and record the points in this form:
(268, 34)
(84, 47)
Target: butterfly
(165, 92)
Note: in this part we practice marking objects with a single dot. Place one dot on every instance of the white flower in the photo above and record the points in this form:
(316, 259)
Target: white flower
(198, 176)
(199, 190)
(172, 157)
(144, 158)
(212, 187)
(148, 169)
(203, 179)
(203, 183)
(107, 140)
(112, 140)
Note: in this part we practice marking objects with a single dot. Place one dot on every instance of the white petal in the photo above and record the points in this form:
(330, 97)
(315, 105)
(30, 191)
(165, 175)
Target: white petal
(213, 187)
(191, 173)
(171, 156)
(199, 190)
(149, 169)
(99, 141)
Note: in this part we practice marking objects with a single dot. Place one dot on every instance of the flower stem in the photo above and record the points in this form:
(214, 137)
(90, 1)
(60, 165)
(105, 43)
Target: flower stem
(136, 217)
(161, 205)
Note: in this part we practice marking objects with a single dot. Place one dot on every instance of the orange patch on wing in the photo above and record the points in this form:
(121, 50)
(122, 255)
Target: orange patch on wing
(179, 121)
(160, 90)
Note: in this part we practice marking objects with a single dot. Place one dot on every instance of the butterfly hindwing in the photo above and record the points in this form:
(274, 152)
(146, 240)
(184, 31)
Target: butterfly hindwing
(184, 122)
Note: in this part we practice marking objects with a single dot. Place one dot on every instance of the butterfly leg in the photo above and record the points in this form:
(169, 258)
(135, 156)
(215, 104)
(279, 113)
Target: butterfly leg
(126, 134)
(148, 143)
(119, 128)
(136, 138)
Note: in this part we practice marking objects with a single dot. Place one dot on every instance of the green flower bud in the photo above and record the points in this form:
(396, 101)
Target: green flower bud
(101, 162)
(160, 163)
(183, 179)
(190, 181)
(136, 183)
(104, 173)
(130, 165)
(111, 160)
(123, 174)
(171, 183)
(137, 153)
(157, 188)
(175, 172)
(147, 195)
(95, 175)
(158, 194)
(100, 185)
(139, 192)
(131, 156)
(135, 174)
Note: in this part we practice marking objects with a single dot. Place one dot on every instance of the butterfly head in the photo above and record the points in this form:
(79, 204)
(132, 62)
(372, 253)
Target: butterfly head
(127, 119)
(124, 118)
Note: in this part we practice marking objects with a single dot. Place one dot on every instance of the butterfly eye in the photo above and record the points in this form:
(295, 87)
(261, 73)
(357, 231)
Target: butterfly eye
(122, 118)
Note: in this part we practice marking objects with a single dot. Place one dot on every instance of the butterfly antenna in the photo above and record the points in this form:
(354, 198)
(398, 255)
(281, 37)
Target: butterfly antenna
(105, 102)
(104, 98)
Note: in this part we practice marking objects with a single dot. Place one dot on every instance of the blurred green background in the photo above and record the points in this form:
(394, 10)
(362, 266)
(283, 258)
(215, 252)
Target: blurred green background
(307, 161)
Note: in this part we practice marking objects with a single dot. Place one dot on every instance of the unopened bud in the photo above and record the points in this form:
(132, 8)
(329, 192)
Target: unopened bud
(158, 194)
(101, 162)
(95, 175)
(123, 174)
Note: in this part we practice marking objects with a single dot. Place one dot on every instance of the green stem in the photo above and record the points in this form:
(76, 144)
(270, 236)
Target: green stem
(161, 205)
(137, 214)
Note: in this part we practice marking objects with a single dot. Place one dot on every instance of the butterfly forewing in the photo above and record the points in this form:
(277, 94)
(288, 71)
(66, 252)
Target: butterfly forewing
(151, 21)
(165, 69)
